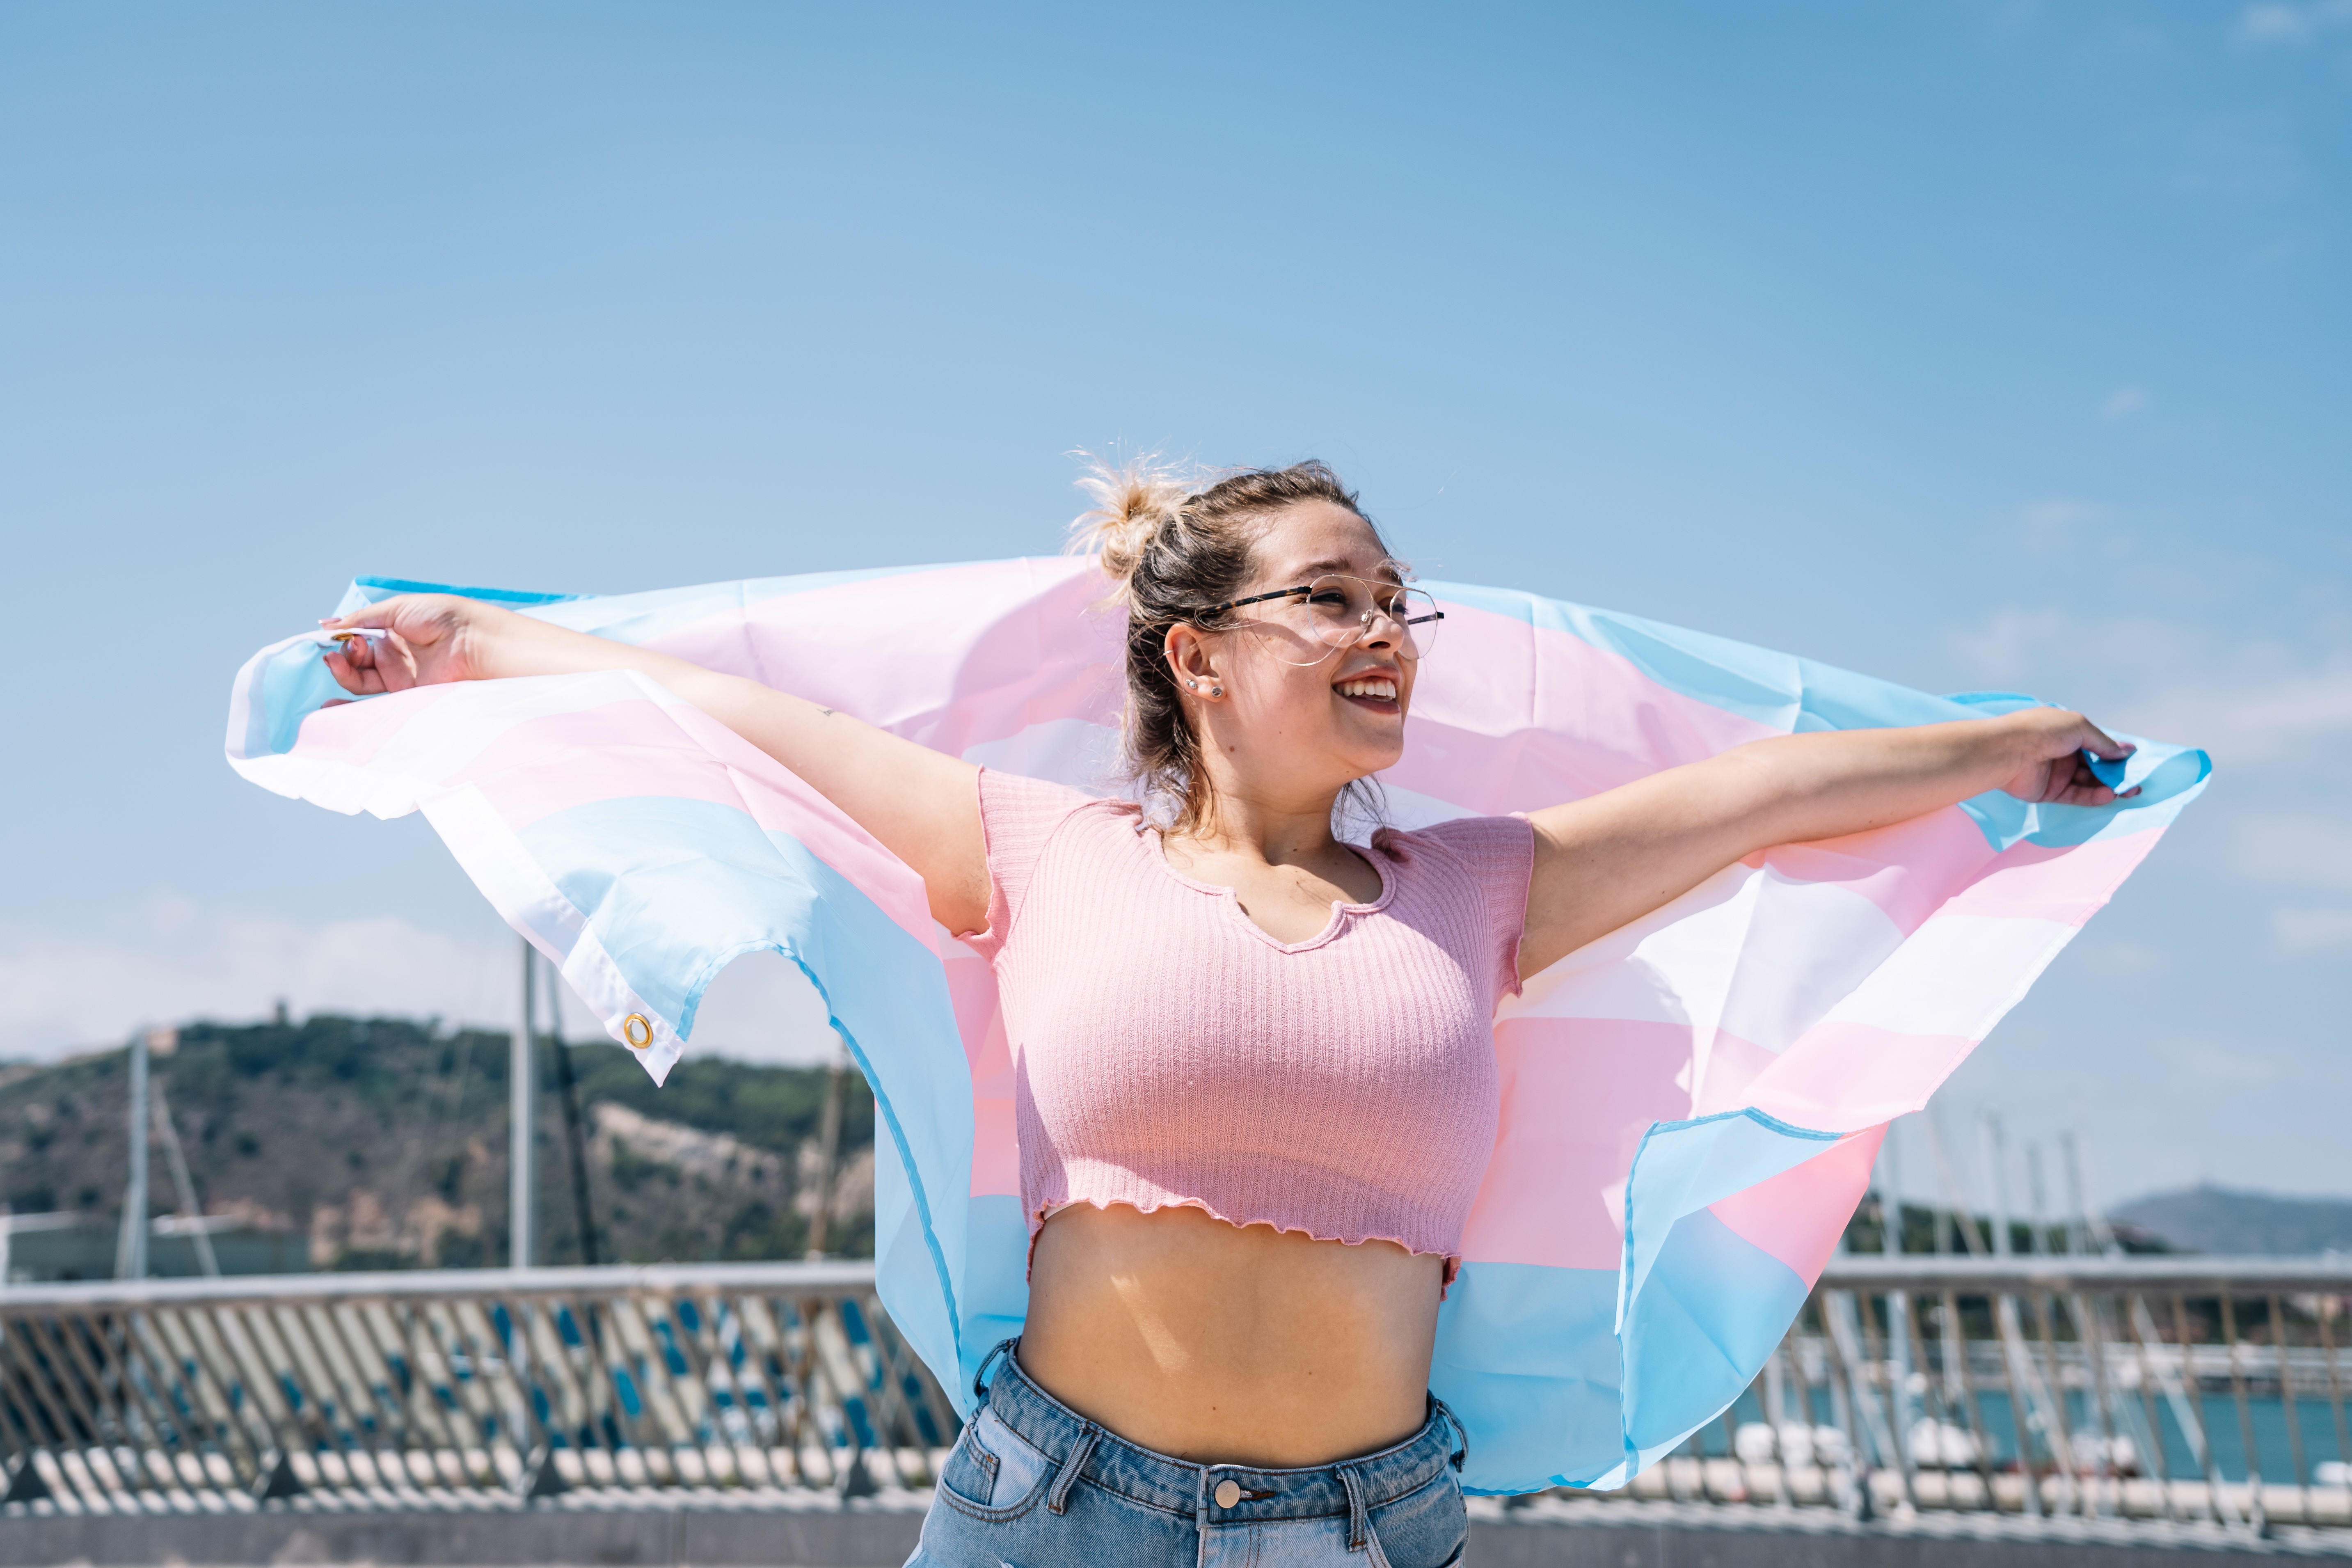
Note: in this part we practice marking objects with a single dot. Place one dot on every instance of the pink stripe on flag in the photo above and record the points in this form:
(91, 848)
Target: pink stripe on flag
(1908, 869)
(637, 746)
(995, 1145)
(645, 748)
(782, 803)
(2067, 885)
(1733, 1064)
(353, 732)
(1489, 735)
(616, 750)
(1841, 1076)
(1940, 863)
(1578, 1095)
(1797, 1216)
(877, 649)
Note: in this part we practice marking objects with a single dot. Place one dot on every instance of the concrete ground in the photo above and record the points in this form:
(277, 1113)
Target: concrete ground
(721, 1530)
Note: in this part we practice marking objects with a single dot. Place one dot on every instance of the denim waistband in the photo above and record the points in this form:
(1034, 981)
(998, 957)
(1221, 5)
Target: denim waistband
(1141, 1475)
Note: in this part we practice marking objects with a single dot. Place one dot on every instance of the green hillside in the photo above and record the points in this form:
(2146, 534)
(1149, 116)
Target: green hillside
(386, 1142)
(2220, 1220)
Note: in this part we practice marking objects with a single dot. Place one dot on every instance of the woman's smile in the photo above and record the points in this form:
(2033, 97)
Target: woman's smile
(1375, 690)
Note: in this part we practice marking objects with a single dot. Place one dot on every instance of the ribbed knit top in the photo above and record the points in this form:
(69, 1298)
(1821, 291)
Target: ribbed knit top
(1167, 1050)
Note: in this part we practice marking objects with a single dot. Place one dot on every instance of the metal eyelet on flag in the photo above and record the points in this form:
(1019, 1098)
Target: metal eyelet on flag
(638, 1031)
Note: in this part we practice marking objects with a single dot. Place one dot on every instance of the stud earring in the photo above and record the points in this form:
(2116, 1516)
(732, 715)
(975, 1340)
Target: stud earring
(1216, 691)
(1194, 684)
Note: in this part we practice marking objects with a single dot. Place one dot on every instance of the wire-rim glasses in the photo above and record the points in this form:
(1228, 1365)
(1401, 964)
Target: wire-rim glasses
(1337, 610)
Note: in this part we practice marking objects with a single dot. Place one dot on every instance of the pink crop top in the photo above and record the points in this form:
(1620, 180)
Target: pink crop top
(1168, 1051)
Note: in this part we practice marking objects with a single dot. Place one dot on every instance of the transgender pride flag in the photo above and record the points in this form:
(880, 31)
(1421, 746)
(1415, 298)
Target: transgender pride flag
(1690, 1106)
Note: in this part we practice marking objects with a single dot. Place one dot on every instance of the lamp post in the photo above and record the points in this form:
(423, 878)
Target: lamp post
(523, 1085)
(130, 1245)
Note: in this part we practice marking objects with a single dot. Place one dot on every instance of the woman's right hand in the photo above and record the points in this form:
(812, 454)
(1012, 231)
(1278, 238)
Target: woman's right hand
(428, 638)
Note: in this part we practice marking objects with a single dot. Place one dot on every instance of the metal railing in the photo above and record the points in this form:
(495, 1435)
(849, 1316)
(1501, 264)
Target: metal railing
(2189, 1390)
(2208, 1391)
(456, 1388)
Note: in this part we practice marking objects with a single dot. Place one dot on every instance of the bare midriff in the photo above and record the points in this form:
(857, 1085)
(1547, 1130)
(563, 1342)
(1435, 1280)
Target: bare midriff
(1222, 1344)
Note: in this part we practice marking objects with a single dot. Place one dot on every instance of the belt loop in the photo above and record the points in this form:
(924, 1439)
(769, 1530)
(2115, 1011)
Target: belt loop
(1360, 1524)
(1058, 1500)
(1461, 1433)
(980, 1377)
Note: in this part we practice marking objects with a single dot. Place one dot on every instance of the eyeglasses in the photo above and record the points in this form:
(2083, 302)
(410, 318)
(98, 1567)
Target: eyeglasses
(1336, 612)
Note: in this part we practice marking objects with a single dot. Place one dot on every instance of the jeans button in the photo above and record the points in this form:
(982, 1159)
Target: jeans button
(1228, 1493)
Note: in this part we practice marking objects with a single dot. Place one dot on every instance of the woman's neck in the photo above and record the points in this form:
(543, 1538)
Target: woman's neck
(1292, 831)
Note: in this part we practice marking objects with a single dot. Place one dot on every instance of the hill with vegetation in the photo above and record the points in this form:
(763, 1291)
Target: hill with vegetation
(384, 1141)
(2220, 1220)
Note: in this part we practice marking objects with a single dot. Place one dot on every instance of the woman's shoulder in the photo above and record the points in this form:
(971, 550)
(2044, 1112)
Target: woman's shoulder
(1474, 837)
(1468, 864)
(1040, 805)
(1020, 819)
(1487, 850)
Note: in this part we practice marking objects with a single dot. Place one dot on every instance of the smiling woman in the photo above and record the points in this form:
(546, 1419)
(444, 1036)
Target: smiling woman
(1180, 560)
(1256, 1069)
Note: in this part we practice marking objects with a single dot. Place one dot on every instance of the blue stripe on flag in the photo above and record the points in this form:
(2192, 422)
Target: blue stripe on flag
(1690, 1347)
(638, 618)
(1525, 1358)
(1707, 1318)
(995, 1285)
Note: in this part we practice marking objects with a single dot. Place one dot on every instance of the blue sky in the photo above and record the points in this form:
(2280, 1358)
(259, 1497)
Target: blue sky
(1968, 345)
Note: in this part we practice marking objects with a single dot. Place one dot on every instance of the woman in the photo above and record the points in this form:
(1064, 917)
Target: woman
(1257, 1084)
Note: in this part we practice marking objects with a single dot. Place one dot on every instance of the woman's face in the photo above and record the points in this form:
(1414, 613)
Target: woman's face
(1297, 714)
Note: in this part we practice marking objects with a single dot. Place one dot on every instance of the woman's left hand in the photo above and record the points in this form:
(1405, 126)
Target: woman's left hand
(2050, 765)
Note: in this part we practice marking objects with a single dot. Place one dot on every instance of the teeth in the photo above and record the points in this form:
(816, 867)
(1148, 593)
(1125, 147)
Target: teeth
(1385, 689)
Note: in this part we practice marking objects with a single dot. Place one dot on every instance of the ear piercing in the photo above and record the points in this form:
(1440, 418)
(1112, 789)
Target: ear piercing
(1214, 690)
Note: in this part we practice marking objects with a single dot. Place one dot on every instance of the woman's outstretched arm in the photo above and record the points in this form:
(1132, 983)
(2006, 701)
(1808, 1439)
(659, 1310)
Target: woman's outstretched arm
(922, 805)
(1602, 862)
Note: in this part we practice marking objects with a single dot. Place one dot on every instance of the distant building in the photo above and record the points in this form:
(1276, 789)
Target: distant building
(41, 1247)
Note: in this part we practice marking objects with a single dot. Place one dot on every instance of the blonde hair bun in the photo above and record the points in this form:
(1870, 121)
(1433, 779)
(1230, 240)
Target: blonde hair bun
(1133, 500)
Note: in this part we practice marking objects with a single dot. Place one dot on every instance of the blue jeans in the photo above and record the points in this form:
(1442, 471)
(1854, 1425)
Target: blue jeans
(1033, 1484)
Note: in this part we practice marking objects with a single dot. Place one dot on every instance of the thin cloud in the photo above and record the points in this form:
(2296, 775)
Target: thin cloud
(2292, 24)
(2305, 933)
(2058, 515)
(2009, 645)
(2264, 721)
(2058, 525)
(2122, 403)
(2117, 960)
(2252, 705)
(2241, 157)
(2286, 847)
(175, 960)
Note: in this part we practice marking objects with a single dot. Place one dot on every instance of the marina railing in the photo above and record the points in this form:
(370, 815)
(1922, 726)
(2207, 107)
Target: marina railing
(2184, 1389)
(2195, 1391)
(450, 1387)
